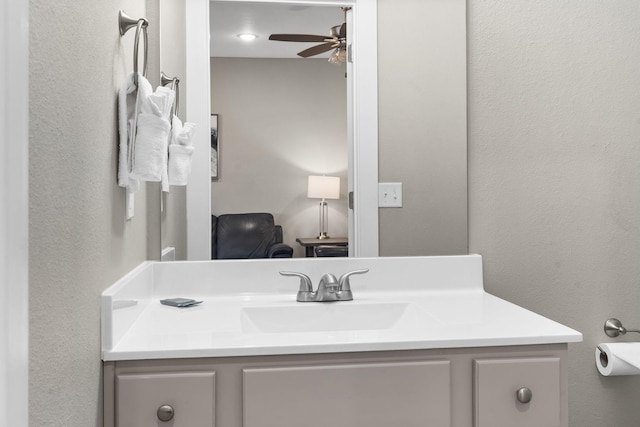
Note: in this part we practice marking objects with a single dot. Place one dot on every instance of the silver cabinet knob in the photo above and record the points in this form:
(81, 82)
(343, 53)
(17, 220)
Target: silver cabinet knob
(165, 413)
(524, 395)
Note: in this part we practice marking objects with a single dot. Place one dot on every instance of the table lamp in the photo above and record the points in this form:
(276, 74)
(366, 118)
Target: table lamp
(324, 187)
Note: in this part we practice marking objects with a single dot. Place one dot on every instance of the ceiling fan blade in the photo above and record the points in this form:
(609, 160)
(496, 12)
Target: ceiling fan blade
(343, 31)
(316, 50)
(304, 38)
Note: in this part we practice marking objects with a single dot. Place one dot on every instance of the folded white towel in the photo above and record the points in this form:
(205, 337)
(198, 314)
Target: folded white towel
(176, 127)
(129, 100)
(180, 163)
(159, 103)
(150, 148)
(150, 152)
(186, 134)
(180, 152)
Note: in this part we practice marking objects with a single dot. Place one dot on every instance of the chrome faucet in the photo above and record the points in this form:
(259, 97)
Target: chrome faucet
(329, 288)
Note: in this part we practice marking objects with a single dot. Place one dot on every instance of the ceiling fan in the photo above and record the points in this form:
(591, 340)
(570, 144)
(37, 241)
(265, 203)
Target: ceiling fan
(337, 40)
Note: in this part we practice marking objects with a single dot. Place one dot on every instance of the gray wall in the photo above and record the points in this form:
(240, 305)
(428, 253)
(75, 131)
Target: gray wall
(423, 125)
(280, 120)
(79, 240)
(554, 96)
(553, 200)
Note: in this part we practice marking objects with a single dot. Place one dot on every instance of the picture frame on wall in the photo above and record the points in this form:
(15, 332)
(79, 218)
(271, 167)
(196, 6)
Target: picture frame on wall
(215, 148)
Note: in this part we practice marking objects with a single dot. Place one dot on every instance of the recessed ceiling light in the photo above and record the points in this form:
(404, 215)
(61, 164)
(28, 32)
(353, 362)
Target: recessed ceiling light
(247, 37)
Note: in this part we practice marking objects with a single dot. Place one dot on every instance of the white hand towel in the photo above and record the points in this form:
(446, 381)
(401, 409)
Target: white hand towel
(179, 164)
(186, 134)
(176, 127)
(150, 147)
(180, 152)
(150, 152)
(159, 103)
(129, 100)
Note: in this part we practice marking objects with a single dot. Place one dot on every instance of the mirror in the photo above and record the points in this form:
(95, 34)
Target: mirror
(173, 213)
(422, 114)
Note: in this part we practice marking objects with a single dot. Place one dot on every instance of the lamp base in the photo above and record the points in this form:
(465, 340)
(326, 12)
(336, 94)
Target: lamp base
(323, 236)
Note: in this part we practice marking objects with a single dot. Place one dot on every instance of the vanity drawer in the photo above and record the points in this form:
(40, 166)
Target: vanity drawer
(500, 383)
(407, 394)
(190, 396)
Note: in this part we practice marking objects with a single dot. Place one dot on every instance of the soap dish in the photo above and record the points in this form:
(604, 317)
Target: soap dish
(179, 302)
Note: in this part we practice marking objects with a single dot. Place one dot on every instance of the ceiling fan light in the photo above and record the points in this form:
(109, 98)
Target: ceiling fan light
(338, 56)
(342, 55)
(247, 37)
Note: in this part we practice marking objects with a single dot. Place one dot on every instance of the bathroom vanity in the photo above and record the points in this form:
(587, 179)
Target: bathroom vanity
(421, 344)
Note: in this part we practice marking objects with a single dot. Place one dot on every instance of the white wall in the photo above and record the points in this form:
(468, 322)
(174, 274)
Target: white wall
(554, 101)
(280, 121)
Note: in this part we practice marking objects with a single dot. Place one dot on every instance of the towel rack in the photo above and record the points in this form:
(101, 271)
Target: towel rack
(613, 328)
(125, 23)
(175, 85)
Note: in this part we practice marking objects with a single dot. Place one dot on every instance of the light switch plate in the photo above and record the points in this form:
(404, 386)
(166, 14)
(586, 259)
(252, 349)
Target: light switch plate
(390, 194)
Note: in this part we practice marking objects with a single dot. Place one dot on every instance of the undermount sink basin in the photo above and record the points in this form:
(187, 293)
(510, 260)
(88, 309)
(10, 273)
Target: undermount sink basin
(321, 317)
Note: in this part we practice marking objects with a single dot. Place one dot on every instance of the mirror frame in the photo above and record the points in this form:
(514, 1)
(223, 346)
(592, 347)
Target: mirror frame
(363, 126)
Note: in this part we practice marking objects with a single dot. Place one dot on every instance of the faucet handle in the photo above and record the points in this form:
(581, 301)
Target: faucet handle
(305, 293)
(305, 281)
(344, 279)
(345, 286)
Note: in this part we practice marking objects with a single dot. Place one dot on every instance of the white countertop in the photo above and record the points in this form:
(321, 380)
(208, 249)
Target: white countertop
(431, 317)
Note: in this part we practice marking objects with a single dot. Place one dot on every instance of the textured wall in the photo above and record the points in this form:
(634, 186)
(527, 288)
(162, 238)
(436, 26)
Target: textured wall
(281, 120)
(553, 200)
(554, 101)
(79, 240)
(422, 125)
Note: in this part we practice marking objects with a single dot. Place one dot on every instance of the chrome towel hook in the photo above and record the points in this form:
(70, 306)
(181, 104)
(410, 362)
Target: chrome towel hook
(125, 23)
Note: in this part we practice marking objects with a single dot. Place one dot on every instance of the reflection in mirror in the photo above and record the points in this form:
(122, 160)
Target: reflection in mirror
(423, 125)
(173, 229)
(285, 117)
(215, 140)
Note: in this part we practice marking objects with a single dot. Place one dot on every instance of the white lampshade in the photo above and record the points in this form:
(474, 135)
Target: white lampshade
(324, 187)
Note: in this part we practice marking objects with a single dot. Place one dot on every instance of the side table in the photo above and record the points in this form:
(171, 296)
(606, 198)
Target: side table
(310, 243)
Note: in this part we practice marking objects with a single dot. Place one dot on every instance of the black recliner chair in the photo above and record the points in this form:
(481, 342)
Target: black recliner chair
(247, 236)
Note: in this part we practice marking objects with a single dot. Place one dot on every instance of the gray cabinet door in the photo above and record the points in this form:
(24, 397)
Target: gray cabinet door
(407, 394)
(496, 384)
(191, 395)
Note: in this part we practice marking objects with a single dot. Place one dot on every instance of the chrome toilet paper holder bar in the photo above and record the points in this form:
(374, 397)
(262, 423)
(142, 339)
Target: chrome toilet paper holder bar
(613, 328)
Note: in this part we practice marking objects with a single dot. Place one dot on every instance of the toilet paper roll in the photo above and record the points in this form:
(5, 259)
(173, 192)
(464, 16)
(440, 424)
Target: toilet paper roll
(621, 358)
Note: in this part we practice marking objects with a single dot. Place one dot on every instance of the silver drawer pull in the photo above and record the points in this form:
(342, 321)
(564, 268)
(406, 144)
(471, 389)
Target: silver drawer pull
(165, 413)
(524, 395)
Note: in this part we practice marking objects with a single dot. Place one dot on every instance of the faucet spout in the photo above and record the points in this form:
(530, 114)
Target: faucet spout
(327, 288)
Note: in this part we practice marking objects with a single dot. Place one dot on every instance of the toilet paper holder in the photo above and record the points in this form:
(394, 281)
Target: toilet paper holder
(613, 328)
